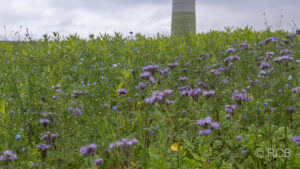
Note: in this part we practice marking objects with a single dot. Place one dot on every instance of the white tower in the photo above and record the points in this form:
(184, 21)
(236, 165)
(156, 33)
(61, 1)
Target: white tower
(183, 17)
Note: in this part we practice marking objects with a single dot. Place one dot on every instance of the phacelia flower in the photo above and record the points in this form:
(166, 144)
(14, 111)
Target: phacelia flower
(209, 93)
(296, 140)
(238, 138)
(230, 50)
(231, 58)
(88, 150)
(230, 108)
(121, 91)
(8, 155)
(98, 162)
(239, 97)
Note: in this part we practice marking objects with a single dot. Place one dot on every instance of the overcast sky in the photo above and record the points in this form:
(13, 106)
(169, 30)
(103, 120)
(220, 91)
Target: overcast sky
(140, 16)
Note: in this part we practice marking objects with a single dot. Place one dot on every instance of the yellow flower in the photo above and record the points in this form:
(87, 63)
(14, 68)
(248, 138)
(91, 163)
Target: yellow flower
(174, 147)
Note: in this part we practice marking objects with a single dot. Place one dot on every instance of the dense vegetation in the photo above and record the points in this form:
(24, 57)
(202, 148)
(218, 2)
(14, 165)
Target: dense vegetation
(211, 100)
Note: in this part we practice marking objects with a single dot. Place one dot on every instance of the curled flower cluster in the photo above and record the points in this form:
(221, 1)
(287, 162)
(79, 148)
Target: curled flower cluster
(158, 96)
(151, 68)
(192, 92)
(207, 125)
(8, 155)
(77, 93)
(43, 148)
(283, 59)
(49, 137)
(296, 90)
(230, 50)
(121, 91)
(76, 111)
(124, 143)
(231, 58)
(240, 97)
(89, 150)
(230, 108)
(208, 93)
(296, 140)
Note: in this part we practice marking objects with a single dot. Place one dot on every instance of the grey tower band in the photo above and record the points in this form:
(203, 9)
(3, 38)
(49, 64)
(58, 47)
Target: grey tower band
(183, 17)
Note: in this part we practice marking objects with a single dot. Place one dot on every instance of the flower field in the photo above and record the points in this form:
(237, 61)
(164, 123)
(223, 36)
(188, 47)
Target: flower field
(227, 99)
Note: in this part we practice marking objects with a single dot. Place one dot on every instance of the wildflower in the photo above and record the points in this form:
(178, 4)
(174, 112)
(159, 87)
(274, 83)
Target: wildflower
(115, 108)
(145, 75)
(283, 59)
(230, 50)
(290, 77)
(8, 155)
(88, 150)
(152, 80)
(58, 91)
(43, 148)
(81, 59)
(50, 138)
(244, 45)
(296, 90)
(45, 122)
(238, 138)
(296, 140)
(230, 108)
(280, 91)
(98, 162)
(164, 71)
(215, 71)
(201, 84)
(141, 85)
(264, 65)
(151, 68)
(17, 137)
(239, 97)
(121, 91)
(215, 126)
(243, 152)
(76, 111)
(231, 58)
(182, 79)
(172, 65)
(225, 81)
(209, 93)
(290, 109)
(227, 116)
(184, 112)
(287, 85)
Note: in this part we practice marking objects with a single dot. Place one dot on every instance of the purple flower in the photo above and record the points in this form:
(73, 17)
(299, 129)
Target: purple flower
(230, 50)
(201, 84)
(238, 138)
(239, 97)
(209, 93)
(164, 71)
(45, 122)
(151, 68)
(291, 109)
(182, 79)
(8, 155)
(145, 75)
(227, 116)
(244, 45)
(230, 108)
(98, 162)
(121, 91)
(297, 31)
(215, 126)
(231, 58)
(88, 150)
(264, 65)
(283, 59)
(296, 90)
(172, 65)
(296, 140)
(243, 152)
(76, 111)
(141, 85)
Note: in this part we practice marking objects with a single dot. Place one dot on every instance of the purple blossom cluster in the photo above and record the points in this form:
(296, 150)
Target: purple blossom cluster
(240, 97)
(230, 108)
(207, 126)
(89, 150)
(192, 92)
(158, 96)
(296, 140)
(208, 93)
(121, 91)
(283, 59)
(49, 137)
(77, 93)
(76, 111)
(151, 68)
(8, 155)
(230, 49)
(231, 58)
(124, 143)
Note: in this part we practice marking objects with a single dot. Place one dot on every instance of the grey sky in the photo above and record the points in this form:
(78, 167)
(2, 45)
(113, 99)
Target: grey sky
(144, 16)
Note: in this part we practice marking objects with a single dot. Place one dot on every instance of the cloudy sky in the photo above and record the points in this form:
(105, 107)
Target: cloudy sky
(140, 16)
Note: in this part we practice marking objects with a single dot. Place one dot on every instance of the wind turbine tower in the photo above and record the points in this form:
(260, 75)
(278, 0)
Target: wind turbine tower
(183, 17)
